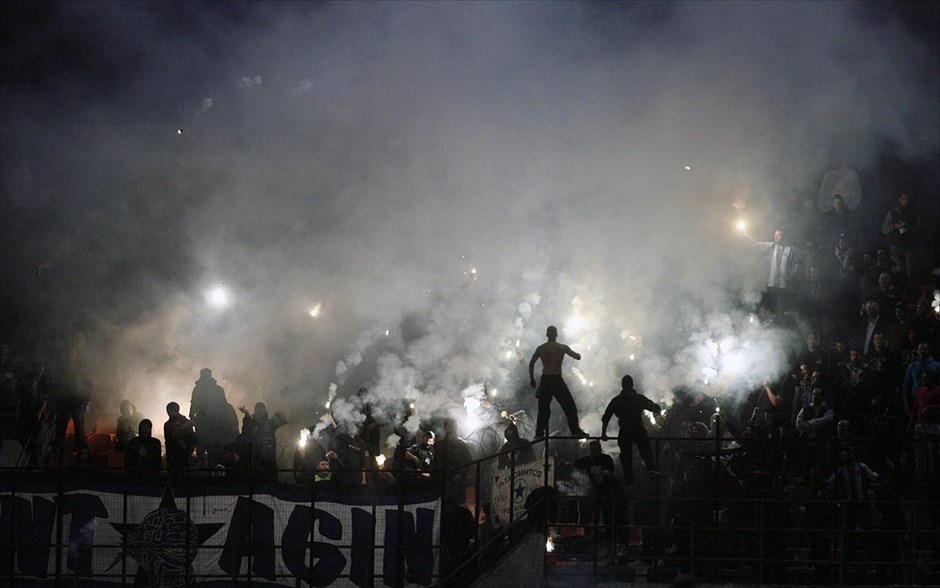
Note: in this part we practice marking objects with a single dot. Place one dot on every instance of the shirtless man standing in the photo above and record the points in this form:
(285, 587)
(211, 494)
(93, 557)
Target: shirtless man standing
(552, 385)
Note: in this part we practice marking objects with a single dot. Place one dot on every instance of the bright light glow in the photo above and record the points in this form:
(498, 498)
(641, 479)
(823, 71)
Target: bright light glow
(632, 357)
(380, 460)
(472, 420)
(304, 435)
(688, 168)
(518, 343)
(741, 225)
(717, 409)
(493, 392)
(412, 405)
(509, 354)
(734, 363)
(315, 311)
(574, 324)
(549, 545)
(386, 332)
(471, 404)
(218, 297)
(580, 375)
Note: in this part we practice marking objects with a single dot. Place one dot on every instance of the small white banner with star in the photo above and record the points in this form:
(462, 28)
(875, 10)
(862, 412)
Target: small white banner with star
(510, 490)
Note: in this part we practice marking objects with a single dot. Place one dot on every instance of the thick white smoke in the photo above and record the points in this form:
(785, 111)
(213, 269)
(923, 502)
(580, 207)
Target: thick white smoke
(447, 178)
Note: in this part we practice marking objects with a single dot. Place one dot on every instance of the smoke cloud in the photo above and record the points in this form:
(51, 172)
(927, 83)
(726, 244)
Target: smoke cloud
(440, 181)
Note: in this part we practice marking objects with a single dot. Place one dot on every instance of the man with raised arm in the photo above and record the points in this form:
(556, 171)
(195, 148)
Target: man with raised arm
(628, 406)
(552, 385)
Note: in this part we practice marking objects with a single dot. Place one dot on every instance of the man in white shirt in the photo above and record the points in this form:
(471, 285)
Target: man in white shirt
(781, 265)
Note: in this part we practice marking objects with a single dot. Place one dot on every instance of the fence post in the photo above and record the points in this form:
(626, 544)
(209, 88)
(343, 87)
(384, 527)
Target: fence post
(512, 484)
(124, 535)
(843, 521)
(761, 542)
(60, 504)
(914, 527)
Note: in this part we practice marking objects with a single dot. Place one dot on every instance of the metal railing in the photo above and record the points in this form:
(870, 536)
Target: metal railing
(654, 534)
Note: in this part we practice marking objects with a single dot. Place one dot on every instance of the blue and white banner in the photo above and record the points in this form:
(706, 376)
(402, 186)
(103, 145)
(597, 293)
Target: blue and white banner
(278, 536)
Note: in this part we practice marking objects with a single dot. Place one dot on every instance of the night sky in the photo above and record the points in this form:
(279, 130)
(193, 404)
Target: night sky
(443, 179)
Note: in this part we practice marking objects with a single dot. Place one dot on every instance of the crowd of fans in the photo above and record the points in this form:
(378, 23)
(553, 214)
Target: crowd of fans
(856, 418)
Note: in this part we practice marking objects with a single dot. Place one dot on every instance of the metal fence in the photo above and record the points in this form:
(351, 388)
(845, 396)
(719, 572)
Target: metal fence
(86, 527)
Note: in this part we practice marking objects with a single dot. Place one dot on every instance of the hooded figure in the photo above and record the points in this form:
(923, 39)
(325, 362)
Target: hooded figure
(214, 418)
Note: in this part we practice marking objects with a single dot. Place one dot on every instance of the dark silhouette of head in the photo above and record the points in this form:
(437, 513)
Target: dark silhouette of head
(145, 428)
(594, 448)
(173, 408)
(552, 332)
(627, 382)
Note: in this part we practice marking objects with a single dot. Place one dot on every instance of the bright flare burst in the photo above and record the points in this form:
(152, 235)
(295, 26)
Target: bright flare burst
(574, 324)
(315, 311)
(741, 225)
(218, 297)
